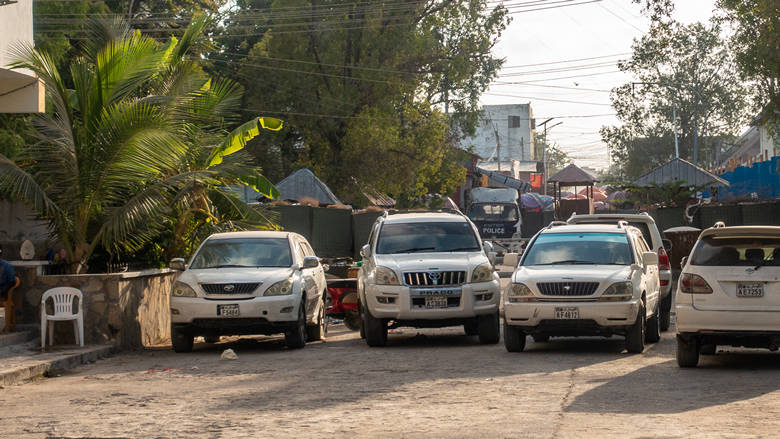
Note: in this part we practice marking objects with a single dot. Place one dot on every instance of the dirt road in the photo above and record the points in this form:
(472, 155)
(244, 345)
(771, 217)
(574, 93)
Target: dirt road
(441, 384)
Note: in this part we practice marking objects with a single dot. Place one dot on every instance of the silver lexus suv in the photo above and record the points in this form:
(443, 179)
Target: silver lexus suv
(427, 270)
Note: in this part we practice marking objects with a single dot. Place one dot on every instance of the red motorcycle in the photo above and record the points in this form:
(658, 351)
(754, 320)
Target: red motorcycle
(343, 302)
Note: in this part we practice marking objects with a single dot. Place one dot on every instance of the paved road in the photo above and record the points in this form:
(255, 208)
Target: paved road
(439, 384)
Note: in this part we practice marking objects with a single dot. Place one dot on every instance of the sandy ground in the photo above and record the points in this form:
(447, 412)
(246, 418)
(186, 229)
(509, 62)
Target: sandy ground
(440, 384)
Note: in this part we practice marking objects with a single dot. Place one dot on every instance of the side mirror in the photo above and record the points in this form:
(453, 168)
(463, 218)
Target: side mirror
(177, 264)
(310, 262)
(683, 261)
(492, 258)
(365, 251)
(667, 245)
(650, 258)
(325, 268)
(487, 246)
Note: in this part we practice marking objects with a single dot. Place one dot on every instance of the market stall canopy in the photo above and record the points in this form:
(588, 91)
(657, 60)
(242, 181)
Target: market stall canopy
(680, 170)
(304, 184)
(572, 175)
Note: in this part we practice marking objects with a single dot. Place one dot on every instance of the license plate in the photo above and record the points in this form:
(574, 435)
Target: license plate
(228, 310)
(433, 302)
(750, 290)
(567, 313)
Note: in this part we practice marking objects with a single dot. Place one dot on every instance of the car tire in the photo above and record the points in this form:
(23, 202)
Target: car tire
(687, 352)
(514, 338)
(708, 349)
(653, 330)
(489, 328)
(361, 311)
(375, 330)
(319, 330)
(666, 312)
(352, 321)
(471, 327)
(296, 337)
(211, 339)
(635, 336)
(541, 338)
(181, 342)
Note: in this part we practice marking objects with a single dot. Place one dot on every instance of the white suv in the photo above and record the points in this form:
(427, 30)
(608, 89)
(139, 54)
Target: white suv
(729, 292)
(249, 283)
(646, 224)
(584, 280)
(427, 270)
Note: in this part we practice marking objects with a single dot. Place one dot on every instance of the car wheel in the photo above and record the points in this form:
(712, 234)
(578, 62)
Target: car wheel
(352, 321)
(635, 336)
(541, 338)
(181, 341)
(514, 338)
(375, 330)
(471, 327)
(362, 311)
(653, 333)
(687, 352)
(318, 330)
(296, 337)
(708, 349)
(211, 339)
(666, 312)
(489, 328)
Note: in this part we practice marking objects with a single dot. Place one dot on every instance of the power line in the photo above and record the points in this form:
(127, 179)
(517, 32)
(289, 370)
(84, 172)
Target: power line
(548, 99)
(568, 60)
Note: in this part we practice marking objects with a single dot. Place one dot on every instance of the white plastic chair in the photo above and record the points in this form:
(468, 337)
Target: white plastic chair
(63, 310)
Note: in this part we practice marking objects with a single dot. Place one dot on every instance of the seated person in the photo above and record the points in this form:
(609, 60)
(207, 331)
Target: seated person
(754, 256)
(775, 257)
(7, 277)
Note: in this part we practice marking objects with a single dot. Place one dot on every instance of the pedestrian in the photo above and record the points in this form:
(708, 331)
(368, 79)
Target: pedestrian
(7, 277)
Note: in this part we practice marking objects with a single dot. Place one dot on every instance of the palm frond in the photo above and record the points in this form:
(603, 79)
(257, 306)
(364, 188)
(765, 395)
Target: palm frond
(237, 139)
(17, 184)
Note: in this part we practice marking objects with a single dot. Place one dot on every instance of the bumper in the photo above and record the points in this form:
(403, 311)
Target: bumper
(262, 311)
(475, 299)
(692, 320)
(592, 315)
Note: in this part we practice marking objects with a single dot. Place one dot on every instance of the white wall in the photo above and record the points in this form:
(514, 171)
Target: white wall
(24, 93)
(515, 143)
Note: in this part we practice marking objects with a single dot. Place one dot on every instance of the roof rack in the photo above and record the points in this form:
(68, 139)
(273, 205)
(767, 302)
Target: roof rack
(556, 224)
(719, 224)
(423, 210)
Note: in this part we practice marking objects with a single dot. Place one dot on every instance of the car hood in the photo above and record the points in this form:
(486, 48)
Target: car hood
(573, 273)
(465, 261)
(266, 275)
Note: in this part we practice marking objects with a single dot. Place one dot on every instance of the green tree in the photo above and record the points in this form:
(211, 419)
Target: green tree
(365, 87)
(114, 157)
(684, 69)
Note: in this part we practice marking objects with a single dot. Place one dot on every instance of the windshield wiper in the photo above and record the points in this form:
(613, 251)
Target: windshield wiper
(764, 262)
(414, 250)
(570, 261)
(233, 266)
(460, 249)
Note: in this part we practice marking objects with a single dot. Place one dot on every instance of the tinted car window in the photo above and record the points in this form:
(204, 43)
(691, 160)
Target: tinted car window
(725, 251)
(426, 237)
(243, 252)
(643, 227)
(579, 248)
(493, 212)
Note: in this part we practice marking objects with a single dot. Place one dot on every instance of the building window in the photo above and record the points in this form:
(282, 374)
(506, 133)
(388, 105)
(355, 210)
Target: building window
(514, 121)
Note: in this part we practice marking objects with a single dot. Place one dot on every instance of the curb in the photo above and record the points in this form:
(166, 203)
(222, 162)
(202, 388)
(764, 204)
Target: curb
(21, 374)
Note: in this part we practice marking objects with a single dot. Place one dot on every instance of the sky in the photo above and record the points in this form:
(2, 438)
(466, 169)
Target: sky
(576, 47)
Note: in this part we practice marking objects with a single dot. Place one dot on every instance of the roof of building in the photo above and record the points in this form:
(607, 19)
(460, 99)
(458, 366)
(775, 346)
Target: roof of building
(680, 170)
(572, 175)
(304, 184)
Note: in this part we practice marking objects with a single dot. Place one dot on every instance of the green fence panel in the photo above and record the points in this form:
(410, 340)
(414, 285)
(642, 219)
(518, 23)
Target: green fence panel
(765, 214)
(361, 227)
(296, 219)
(731, 215)
(332, 232)
(668, 217)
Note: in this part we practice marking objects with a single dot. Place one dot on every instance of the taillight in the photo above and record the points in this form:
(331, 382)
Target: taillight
(694, 284)
(663, 259)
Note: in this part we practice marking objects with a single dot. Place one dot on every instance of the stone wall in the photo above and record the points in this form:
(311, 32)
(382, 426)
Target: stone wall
(128, 310)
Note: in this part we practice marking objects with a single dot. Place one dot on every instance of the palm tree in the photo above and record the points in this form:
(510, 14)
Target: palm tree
(111, 159)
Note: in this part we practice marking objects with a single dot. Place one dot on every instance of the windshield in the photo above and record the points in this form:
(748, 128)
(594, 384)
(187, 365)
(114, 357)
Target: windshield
(725, 251)
(243, 252)
(427, 237)
(579, 248)
(493, 212)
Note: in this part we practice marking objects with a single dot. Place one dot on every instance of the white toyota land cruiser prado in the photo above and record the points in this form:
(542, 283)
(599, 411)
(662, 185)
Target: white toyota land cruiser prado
(427, 270)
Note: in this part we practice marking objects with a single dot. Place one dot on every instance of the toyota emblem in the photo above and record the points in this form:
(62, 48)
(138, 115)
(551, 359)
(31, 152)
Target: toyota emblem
(229, 288)
(434, 277)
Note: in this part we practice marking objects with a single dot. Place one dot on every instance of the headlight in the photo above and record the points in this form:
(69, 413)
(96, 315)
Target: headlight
(180, 289)
(619, 291)
(385, 276)
(281, 288)
(519, 293)
(482, 273)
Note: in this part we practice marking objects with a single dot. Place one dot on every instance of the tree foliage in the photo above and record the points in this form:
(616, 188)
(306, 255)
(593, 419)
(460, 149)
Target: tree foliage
(687, 69)
(365, 87)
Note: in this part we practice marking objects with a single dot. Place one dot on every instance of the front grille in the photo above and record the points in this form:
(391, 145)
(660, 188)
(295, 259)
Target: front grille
(567, 288)
(230, 288)
(434, 278)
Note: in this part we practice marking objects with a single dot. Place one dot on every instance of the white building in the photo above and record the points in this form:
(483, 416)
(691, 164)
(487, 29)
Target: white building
(505, 139)
(20, 90)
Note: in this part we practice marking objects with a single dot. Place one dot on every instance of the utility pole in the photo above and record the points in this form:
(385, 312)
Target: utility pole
(544, 154)
(674, 124)
(696, 126)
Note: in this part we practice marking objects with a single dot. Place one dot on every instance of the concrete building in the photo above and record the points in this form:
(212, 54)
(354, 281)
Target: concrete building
(20, 90)
(505, 139)
(756, 144)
